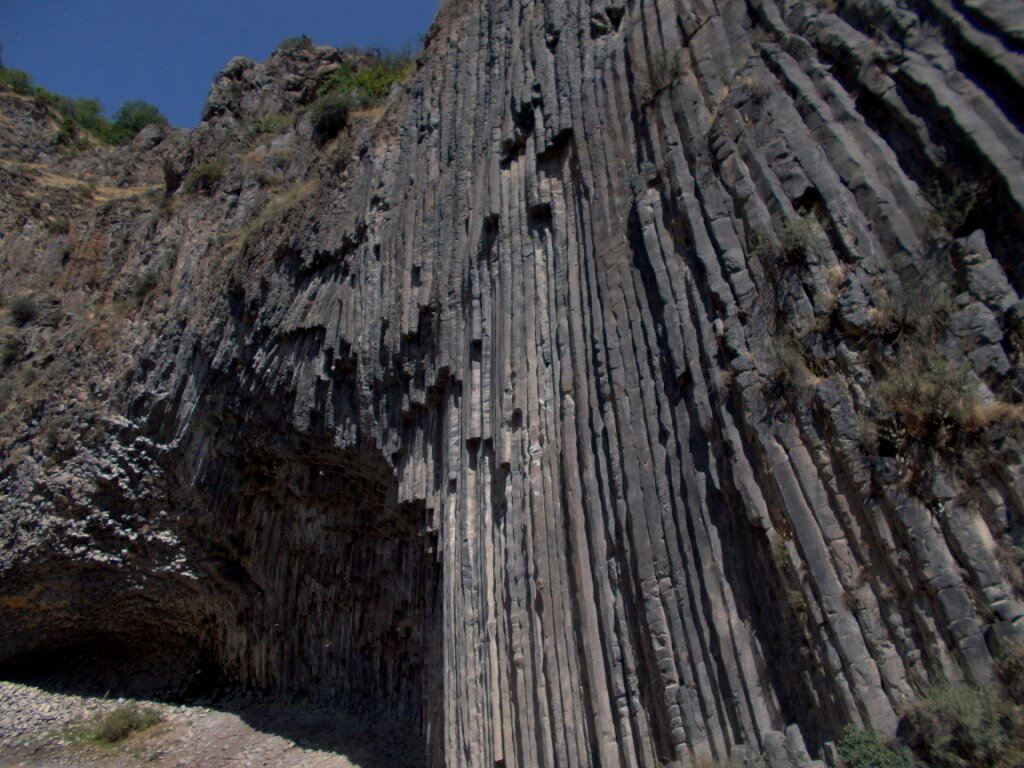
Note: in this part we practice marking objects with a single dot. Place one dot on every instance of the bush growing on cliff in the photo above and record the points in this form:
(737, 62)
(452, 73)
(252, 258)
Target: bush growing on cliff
(369, 85)
(926, 391)
(58, 226)
(16, 80)
(790, 367)
(663, 71)
(862, 749)
(10, 351)
(274, 123)
(330, 114)
(918, 303)
(131, 118)
(300, 43)
(84, 114)
(204, 177)
(22, 310)
(951, 206)
(963, 726)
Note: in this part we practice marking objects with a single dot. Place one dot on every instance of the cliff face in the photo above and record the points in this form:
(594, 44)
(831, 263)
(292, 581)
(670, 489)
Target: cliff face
(642, 385)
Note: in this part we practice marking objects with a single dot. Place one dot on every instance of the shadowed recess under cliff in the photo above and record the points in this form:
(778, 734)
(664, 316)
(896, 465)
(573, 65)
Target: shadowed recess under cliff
(310, 585)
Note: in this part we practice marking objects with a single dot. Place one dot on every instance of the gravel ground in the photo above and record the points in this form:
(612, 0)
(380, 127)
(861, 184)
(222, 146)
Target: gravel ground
(40, 729)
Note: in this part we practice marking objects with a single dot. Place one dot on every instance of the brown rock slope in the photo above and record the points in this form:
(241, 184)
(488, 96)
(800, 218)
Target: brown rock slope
(643, 385)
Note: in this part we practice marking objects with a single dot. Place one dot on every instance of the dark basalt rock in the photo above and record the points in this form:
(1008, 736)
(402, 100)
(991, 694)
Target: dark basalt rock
(556, 411)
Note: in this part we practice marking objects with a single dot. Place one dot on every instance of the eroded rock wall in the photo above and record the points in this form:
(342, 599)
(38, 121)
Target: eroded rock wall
(558, 409)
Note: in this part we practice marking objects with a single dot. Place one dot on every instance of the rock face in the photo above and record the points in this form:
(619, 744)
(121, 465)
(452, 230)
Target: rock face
(643, 385)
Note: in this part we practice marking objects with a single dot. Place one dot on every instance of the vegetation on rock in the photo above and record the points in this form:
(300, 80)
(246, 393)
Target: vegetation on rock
(118, 724)
(274, 123)
(963, 726)
(663, 71)
(78, 116)
(862, 749)
(204, 177)
(22, 310)
(330, 114)
(10, 351)
(367, 86)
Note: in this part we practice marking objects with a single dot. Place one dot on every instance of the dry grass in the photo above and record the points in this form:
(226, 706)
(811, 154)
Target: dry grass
(981, 415)
(83, 185)
(662, 72)
(836, 274)
(276, 208)
(370, 115)
(278, 205)
(108, 194)
(926, 391)
(759, 85)
(791, 368)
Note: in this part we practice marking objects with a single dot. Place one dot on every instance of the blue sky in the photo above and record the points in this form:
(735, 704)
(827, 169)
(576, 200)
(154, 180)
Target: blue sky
(166, 52)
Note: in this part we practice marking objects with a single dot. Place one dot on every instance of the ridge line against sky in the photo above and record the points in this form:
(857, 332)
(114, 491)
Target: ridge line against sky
(167, 53)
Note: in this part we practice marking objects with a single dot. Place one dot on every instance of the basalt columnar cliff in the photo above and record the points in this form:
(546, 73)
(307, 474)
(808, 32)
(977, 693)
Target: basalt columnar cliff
(641, 384)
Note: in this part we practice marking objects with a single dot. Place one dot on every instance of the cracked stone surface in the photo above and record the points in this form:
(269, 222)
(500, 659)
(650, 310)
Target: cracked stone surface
(553, 410)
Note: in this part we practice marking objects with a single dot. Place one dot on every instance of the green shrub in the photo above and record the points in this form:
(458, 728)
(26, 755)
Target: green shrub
(963, 726)
(274, 123)
(117, 725)
(780, 555)
(59, 226)
(85, 114)
(88, 114)
(10, 351)
(301, 43)
(16, 80)
(204, 177)
(131, 118)
(80, 114)
(861, 749)
(75, 113)
(330, 114)
(22, 310)
(369, 85)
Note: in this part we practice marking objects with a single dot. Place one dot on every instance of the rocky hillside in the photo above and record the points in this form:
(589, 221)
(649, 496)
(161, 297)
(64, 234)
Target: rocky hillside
(641, 383)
